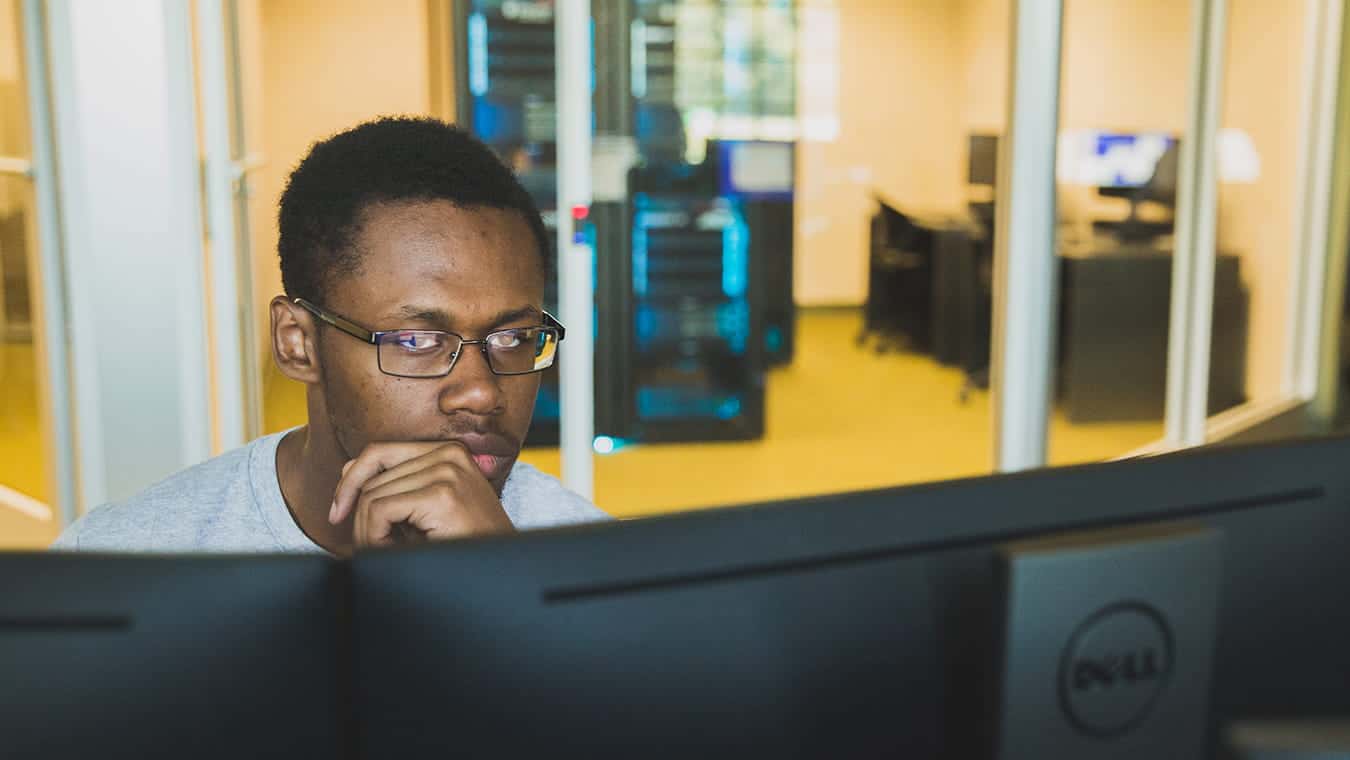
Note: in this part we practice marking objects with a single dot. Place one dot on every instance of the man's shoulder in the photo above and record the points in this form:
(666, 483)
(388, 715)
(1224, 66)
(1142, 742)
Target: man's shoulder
(535, 499)
(171, 515)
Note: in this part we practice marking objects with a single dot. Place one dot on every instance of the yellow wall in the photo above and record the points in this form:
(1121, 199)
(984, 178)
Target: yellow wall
(983, 61)
(325, 65)
(1263, 97)
(899, 132)
(13, 131)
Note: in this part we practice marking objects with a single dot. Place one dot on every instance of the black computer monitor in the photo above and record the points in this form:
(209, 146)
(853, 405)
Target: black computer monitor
(1161, 187)
(802, 629)
(201, 657)
(1132, 609)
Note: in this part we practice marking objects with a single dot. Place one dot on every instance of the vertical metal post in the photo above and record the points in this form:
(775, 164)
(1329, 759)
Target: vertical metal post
(576, 287)
(244, 160)
(1192, 306)
(1326, 402)
(51, 263)
(228, 343)
(1025, 263)
(1312, 203)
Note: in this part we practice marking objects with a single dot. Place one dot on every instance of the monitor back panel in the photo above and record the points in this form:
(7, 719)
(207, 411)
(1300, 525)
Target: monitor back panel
(790, 628)
(521, 650)
(205, 657)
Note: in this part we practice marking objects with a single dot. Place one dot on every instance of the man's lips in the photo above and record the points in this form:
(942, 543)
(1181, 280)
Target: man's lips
(492, 453)
(491, 466)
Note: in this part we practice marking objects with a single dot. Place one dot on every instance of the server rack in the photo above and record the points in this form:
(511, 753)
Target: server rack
(688, 314)
(505, 94)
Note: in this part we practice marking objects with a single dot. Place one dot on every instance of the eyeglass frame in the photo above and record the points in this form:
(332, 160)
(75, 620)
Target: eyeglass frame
(373, 338)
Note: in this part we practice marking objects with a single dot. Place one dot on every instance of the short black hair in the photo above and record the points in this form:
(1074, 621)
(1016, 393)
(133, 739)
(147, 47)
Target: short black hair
(388, 160)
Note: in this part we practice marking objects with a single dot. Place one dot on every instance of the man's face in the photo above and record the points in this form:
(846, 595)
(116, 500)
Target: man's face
(434, 266)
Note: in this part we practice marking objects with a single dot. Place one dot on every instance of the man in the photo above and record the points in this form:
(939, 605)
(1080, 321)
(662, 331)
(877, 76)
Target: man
(414, 267)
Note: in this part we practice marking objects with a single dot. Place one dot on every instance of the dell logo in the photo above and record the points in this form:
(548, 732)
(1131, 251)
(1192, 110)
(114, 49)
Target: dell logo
(1113, 669)
(1126, 667)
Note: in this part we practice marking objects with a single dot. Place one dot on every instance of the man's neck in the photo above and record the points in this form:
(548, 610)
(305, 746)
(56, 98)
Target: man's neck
(308, 474)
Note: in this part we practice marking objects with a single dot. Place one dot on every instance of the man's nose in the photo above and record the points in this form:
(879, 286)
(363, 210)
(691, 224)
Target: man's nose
(471, 385)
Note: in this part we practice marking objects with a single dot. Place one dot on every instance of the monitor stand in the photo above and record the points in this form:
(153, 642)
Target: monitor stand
(1108, 644)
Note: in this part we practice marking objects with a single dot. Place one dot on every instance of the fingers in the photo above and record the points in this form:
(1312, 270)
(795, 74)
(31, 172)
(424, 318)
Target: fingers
(372, 461)
(376, 519)
(401, 492)
(449, 454)
(411, 480)
(416, 514)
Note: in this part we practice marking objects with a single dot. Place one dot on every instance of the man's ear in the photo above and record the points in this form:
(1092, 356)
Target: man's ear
(293, 341)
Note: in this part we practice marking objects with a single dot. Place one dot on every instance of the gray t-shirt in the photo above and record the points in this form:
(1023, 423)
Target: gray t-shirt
(233, 503)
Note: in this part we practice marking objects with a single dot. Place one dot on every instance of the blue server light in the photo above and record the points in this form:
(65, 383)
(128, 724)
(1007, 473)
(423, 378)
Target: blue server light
(735, 255)
(478, 55)
(729, 408)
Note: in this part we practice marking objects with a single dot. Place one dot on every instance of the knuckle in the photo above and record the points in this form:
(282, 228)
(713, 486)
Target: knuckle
(365, 502)
(378, 510)
(454, 451)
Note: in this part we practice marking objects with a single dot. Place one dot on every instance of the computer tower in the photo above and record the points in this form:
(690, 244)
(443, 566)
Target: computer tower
(760, 177)
(697, 359)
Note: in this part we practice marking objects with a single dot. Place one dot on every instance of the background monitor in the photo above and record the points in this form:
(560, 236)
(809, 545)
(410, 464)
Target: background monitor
(1110, 159)
(982, 166)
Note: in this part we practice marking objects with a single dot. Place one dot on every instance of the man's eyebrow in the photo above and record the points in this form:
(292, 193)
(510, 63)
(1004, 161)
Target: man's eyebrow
(438, 317)
(511, 315)
(442, 319)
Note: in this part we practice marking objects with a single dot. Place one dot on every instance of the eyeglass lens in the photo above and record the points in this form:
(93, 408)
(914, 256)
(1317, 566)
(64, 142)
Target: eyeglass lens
(427, 353)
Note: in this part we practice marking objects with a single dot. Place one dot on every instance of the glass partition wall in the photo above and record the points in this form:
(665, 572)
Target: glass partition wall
(801, 212)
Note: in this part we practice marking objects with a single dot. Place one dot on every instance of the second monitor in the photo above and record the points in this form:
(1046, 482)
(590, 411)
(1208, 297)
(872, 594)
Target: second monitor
(1159, 601)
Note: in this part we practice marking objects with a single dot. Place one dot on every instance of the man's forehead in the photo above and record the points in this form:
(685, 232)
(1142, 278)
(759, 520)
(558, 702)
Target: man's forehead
(435, 265)
(438, 240)
(443, 219)
(468, 313)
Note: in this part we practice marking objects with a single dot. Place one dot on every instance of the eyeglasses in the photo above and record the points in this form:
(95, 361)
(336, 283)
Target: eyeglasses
(432, 353)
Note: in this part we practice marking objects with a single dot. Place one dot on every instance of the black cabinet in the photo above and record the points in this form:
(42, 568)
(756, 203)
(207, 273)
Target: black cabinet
(1115, 316)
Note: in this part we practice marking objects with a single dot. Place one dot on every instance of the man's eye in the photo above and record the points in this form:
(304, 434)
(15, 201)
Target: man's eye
(505, 339)
(417, 341)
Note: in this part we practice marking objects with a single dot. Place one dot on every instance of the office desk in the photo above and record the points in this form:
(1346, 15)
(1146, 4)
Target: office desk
(1115, 309)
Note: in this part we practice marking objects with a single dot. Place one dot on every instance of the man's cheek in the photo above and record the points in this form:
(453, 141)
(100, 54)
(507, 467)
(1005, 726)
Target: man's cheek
(401, 413)
(362, 412)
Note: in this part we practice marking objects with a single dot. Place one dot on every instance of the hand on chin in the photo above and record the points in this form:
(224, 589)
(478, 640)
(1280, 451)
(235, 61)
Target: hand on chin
(400, 492)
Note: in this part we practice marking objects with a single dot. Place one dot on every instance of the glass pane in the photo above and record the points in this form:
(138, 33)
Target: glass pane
(1122, 110)
(737, 331)
(26, 520)
(793, 270)
(508, 101)
(1258, 157)
(302, 71)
